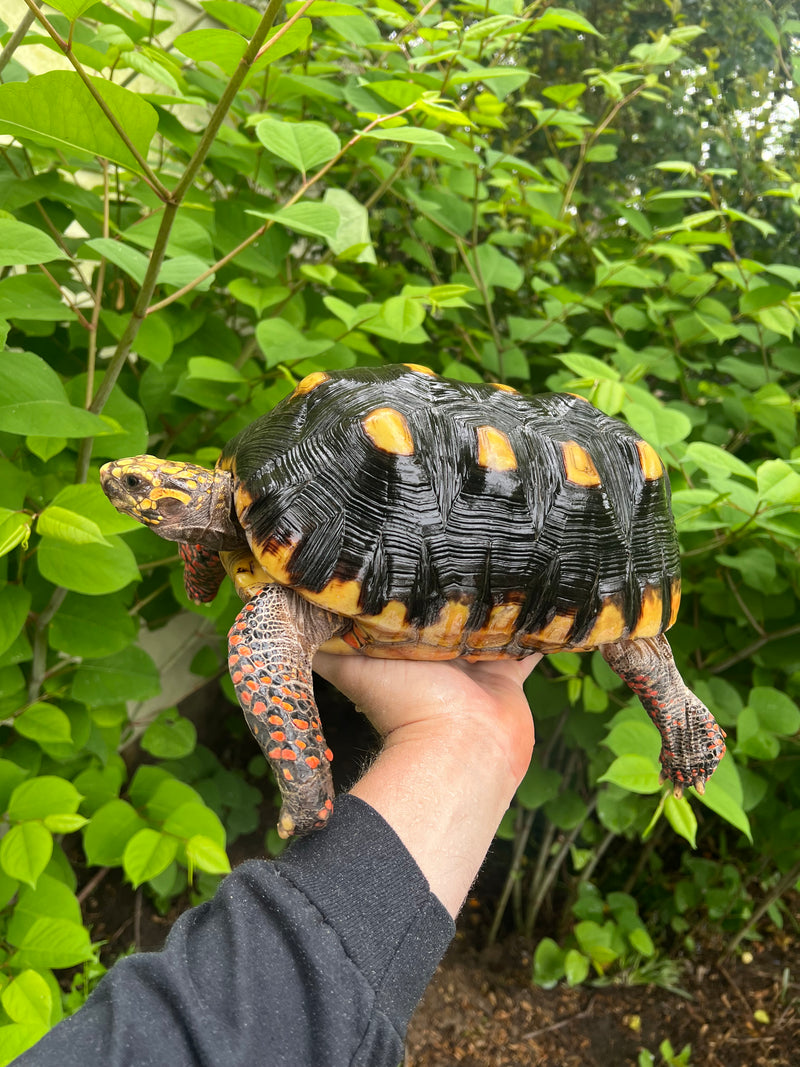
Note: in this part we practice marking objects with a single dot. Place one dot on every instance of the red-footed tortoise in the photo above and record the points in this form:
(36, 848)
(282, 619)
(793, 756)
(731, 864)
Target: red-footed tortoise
(390, 512)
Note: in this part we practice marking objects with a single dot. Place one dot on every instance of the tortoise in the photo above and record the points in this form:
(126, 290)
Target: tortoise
(391, 512)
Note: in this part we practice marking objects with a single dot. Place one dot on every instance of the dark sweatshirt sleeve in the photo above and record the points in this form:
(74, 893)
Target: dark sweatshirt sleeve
(316, 959)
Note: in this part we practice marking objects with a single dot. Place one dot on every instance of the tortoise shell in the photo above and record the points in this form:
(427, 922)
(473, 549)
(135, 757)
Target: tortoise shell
(447, 518)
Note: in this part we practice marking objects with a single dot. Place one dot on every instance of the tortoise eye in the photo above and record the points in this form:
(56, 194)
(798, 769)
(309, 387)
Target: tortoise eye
(131, 481)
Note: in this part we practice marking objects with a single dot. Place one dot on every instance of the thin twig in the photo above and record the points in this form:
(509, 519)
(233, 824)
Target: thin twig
(560, 1024)
(66, 47)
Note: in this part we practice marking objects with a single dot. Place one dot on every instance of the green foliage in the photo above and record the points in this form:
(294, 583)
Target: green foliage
(603, 199)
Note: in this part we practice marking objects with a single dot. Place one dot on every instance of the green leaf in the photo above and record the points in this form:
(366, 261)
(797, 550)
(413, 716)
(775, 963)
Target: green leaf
(45, 795)
(147, 854)
(27, 998)
(128, 675)
(589, 367)
(282, 343)
(56, 109)
(43, 723)
(776, 711)
(109, 831)
(33, 400)
(713, 458)
(408, 135)
(239, 17)
(225, 48)
(93, 569)
(681, 818)
(596, 942)
(780, 319)
(170, 736)
(23, 244)
(402, 315)
(576, 967)
(15, 530)
(353, 231)
(214, 370)
(561, 18)
(778, 482)
(54, 943)
(637, 774)
(15, 603)
(305, 145)
(25, 851)
(314, 219)
(539, 786)
(548, 963)
(68, 526)
(90, 629)
(206, 855)
(724, 795)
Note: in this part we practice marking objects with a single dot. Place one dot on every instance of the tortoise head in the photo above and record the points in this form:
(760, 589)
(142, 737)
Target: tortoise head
(178, 501)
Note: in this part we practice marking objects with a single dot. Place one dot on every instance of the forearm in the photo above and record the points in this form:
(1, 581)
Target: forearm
(444, 794)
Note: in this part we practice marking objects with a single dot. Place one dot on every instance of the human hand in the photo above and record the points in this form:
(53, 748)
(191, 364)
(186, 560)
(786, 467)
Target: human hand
(457, 741)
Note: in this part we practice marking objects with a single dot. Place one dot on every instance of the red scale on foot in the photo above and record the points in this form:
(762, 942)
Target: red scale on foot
(270, 690)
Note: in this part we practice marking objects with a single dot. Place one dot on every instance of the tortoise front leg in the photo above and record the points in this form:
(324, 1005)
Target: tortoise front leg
(271, 645)
(691, 741)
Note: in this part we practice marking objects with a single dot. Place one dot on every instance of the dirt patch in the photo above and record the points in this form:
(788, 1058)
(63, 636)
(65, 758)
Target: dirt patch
(482, 1011)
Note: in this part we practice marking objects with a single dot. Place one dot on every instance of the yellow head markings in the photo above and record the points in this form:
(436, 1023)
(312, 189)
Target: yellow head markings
(311, 381)
(649, 624)
(420, 369)
(652, 467)
(494, 450)
(170, 494)
(578, 465)
(388, 430)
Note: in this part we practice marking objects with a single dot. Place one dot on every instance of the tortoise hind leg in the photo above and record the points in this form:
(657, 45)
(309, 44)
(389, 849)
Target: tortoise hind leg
(271, 645)
(691, 741)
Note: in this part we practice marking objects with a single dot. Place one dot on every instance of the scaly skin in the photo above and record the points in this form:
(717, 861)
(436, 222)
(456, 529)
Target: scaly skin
(692, 744)
(203, 572)
(271, 645)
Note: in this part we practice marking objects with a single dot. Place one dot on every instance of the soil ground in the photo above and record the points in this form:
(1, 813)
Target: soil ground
(481, 1009)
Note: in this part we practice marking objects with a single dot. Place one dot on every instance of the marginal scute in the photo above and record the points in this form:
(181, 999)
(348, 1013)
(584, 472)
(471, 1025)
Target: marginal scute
(311, 381)
(504, 388)
(390, 624)
(494, 450)
(578, 465)
(675, 601)
(651, 464)
(555, 634)
(448, 628)
(651, 614)
(340, 596)
(389, 431)
(498, 630)
(608, 626)
(418, 367)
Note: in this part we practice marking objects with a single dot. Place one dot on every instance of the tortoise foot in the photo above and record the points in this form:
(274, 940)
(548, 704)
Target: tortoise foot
(297, 821)
(692, 743)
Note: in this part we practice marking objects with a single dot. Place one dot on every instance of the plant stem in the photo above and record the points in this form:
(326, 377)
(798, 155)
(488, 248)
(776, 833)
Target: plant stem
(66, 47)
(15, 39)
(174, 200)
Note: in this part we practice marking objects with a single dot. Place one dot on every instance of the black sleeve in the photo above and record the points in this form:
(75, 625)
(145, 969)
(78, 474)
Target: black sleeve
(316, 959)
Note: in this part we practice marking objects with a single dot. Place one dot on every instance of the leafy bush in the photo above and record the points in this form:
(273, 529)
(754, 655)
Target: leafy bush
(499, 192)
